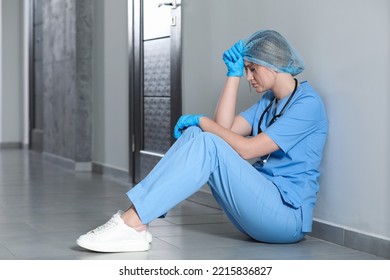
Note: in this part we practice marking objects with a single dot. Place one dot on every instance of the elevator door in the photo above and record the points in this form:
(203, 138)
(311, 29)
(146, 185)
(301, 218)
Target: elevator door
(157, 100)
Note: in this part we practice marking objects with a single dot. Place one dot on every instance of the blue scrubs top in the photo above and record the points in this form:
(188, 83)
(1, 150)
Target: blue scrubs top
(301, 134)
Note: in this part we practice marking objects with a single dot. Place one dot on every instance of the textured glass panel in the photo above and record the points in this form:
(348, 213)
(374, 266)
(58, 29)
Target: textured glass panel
(157, 68)
(148, 162)
(157, 124)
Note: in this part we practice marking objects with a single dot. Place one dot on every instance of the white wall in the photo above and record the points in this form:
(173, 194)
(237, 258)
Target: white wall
(1, 71)
(110, 101)
(346, 48)
(11, 97)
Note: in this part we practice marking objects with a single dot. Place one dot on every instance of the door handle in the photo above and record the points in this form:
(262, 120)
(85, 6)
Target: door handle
(174, 4)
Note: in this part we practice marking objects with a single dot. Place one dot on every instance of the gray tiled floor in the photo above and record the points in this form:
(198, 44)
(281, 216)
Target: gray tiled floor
(44, 208)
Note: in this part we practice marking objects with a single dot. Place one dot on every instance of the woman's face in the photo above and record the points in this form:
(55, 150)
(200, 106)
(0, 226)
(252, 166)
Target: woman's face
(260, 77)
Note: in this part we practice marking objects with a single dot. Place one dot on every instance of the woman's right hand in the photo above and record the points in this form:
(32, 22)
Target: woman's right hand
(185, 122)
(234, 60)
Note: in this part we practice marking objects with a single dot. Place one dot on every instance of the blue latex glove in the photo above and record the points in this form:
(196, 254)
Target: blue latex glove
(234, 60)
(184, 122)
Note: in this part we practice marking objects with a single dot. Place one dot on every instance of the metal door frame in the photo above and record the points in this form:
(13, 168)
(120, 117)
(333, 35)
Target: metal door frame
(31, 71)
(136, 73)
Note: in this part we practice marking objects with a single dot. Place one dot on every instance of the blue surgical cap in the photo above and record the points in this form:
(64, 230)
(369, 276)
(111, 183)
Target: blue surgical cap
(270, 49)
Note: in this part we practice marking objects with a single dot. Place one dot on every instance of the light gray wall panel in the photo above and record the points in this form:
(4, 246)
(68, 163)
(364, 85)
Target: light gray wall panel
(111, 84)
(11, 92)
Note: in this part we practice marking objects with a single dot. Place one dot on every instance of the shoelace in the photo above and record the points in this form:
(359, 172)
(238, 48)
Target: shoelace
(110, 224)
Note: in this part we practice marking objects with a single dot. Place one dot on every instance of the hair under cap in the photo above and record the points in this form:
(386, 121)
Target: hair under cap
(270, 49)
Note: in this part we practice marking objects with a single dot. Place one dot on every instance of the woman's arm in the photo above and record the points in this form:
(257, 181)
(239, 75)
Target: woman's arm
(226, 107)
(247, 148)
(225, 112)
(233, 128)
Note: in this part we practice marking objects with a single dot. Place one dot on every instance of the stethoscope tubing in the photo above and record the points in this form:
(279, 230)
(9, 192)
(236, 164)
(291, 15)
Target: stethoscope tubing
(276, 117)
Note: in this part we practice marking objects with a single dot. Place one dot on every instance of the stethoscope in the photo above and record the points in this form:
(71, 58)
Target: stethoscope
(276, 117)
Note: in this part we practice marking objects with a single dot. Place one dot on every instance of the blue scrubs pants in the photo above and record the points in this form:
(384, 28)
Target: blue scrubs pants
(252, 202)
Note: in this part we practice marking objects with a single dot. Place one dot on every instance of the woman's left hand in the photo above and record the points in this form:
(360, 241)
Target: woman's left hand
(234, 61)
(184, 122)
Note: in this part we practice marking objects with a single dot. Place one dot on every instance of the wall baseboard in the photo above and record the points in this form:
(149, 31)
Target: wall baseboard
(67, 163)
(119, 175)
(351, 239)
(11, 145)
(112, 173)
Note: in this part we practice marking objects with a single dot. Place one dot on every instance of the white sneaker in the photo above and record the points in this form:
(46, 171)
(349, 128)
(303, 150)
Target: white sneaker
(115, 236)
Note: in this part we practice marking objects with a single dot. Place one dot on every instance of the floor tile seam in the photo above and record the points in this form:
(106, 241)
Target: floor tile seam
(61, 231)
(233, 234)
(205, 205)
(167, 242)
(34, 227)
(175, 235)
(165, 221)
(18, 223)
(284, 255)
(209, 247)
(25, 256)
(21, 254)
(8, 249)
(316, 255)
(200, 232)
(16, 236)
(222, 215)
(197, 212)
(340, 245)
(328, 252)
(171, 225)
(51, 258)
(195, 215)
(194, 224)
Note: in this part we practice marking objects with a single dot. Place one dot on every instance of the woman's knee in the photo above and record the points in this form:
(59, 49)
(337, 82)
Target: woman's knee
(192, 131)
(205, 138)
(212, 138)
(196, 131)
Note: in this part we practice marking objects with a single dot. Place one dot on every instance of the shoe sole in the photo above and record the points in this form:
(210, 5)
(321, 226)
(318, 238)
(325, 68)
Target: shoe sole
(116, 247)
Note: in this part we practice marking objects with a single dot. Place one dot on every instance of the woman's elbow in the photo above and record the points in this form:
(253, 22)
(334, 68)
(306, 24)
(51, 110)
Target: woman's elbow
(246, 154)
